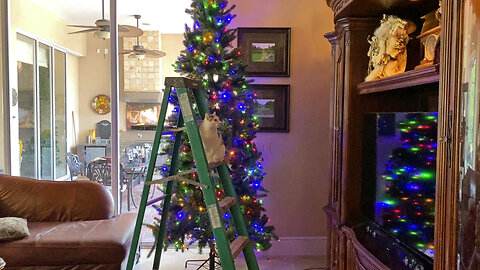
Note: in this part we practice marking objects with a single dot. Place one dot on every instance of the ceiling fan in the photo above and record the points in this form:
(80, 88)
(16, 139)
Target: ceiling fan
(139, 52)
(102, 28)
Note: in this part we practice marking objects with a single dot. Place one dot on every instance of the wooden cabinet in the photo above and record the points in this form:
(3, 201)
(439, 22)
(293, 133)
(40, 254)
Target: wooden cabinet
(437, 88)
(451, 88)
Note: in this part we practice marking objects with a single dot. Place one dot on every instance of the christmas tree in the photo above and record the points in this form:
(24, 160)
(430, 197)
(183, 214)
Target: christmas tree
(408, 210)
(210, 57)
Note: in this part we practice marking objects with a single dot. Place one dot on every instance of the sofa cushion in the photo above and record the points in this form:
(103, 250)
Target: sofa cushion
(52, 201)
(70, 243)
(13, 228)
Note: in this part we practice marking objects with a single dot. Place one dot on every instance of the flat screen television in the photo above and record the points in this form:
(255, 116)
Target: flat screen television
(399, 176)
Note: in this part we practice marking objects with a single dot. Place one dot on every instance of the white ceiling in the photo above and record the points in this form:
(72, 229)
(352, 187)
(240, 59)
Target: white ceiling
(166, 16)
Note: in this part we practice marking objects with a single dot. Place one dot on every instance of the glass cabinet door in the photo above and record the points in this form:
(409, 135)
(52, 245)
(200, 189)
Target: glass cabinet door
(469, 189)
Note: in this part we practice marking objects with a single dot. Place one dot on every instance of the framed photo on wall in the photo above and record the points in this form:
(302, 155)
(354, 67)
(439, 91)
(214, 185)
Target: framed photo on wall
(265, 51)
(272, 107)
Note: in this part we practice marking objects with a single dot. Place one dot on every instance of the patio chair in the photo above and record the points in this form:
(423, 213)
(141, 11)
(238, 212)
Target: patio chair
(75, 166)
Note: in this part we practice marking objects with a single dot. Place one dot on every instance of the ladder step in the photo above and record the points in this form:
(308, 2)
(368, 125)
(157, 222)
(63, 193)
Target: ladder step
(177, 178)
(226, 203)
(194, 171)
(173, 129)
(238, 245)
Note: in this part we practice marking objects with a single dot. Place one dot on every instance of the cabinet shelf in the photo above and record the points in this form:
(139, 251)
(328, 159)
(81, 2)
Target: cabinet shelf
(407, 79)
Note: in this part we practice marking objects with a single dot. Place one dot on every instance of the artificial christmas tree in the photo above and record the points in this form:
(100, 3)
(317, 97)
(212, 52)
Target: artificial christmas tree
(408, 210)
(209, 57)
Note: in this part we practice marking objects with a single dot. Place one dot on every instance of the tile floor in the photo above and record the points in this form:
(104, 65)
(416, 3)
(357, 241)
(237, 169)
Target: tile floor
(172, 260)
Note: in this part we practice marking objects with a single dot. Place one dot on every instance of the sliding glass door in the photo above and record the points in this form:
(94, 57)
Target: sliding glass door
(27, 107)
(60, 116)
(41, 105)
(45, 116)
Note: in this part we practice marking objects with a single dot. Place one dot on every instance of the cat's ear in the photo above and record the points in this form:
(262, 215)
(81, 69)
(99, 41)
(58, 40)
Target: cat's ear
(215, 113)
(206, 115)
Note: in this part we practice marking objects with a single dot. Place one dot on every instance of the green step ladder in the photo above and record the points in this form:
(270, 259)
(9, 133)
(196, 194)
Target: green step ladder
(227, 251)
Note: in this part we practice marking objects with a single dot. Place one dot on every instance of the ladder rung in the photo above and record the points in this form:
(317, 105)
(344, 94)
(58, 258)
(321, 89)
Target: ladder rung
(194, 171)
(177, 178)
(179, 82)
(238, 245)
(173, 129)
(226, 203)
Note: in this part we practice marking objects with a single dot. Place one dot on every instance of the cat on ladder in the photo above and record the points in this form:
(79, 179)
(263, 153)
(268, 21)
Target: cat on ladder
(211, 139)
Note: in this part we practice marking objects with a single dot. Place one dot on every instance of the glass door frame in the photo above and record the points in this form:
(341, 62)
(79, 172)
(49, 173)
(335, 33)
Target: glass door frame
(5, 69)
(52, 48)
(449, 141)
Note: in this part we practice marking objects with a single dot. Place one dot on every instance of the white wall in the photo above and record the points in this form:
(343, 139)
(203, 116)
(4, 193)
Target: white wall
(94, 79)
(297, 163)
(73, 109)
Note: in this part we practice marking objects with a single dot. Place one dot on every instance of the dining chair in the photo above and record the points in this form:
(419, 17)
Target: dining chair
(100, 171)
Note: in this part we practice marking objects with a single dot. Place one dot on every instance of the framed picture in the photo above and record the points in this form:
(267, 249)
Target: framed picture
(265, 51)
(272, 107)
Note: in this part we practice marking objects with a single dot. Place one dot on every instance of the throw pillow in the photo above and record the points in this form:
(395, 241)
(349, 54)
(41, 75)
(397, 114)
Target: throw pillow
(13, 228)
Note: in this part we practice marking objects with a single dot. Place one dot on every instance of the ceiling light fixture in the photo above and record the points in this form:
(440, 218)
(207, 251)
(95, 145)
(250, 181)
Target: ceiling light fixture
(137, 56)
(102, 34)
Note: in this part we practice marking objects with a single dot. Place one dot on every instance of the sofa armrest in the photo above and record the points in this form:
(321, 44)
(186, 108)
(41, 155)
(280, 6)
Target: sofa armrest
(52, 201)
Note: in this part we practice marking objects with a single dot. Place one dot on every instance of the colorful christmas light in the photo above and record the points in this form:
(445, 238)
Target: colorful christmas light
(209, 57)
(407, 211)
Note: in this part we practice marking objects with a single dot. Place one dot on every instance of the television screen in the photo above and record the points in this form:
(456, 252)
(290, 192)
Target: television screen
(399, 166)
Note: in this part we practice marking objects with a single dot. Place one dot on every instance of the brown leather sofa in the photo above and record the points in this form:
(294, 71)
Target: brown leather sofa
(71, 226)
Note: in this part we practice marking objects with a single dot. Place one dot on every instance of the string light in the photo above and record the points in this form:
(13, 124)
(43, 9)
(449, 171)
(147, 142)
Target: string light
(408, 207)
(207, 57)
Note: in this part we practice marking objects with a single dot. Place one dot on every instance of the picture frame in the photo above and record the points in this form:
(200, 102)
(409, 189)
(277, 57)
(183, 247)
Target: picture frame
(265, 51)
(272, 107)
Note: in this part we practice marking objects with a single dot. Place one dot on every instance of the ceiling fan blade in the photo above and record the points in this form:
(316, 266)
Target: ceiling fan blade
(127, 52)
(129, 31)
(84, 31)
(154, 53)
(83, 26)
(122, 28)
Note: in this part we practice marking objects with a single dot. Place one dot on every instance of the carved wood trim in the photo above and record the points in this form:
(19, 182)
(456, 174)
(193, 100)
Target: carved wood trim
(338, 5)
(354, 45)
(363, 258)
(449, 121)
(375, 8)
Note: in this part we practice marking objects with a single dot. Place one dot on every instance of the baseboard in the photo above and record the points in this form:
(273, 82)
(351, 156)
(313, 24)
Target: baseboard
(297, 246)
